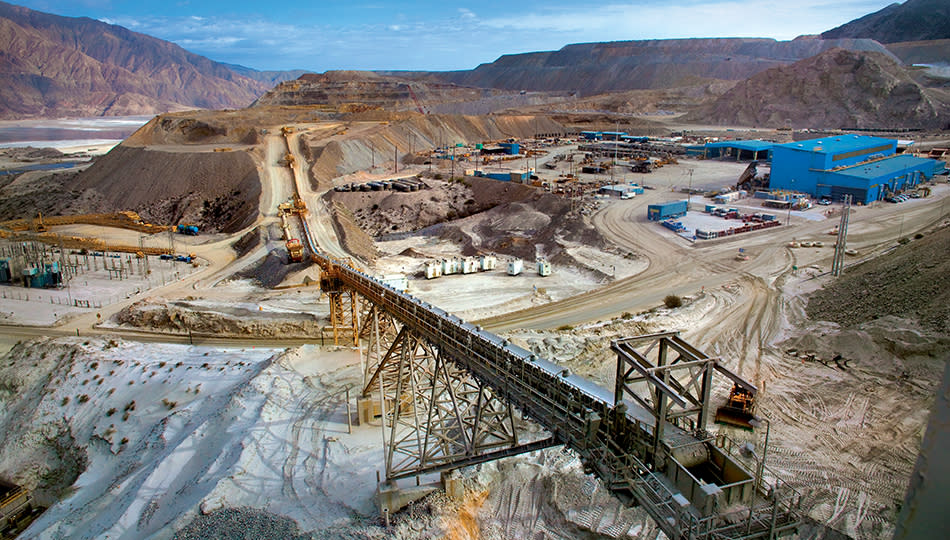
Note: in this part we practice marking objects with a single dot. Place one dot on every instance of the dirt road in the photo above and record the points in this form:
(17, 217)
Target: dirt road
(680, 267)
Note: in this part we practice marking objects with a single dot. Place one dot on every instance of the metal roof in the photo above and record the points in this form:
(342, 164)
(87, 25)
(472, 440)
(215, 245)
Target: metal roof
(837, 144)
(891, 166)
(753, 145)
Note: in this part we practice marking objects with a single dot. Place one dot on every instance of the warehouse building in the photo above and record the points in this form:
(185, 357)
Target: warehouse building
(750, 150)
(867, 168)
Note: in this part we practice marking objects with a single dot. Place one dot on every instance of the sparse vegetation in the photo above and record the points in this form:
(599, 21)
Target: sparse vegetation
(672, 301)
(83, 398)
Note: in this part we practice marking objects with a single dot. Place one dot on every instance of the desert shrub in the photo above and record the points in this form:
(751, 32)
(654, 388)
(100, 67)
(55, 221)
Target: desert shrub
(672, 301)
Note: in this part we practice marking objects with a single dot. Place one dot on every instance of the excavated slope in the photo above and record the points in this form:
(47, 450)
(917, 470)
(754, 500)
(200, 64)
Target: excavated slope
(838, 88)
(595, 68)
(912, 282)
(217, 190)
(342, 155)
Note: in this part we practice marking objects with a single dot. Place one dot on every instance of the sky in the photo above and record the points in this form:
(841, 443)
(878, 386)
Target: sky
(442, 35)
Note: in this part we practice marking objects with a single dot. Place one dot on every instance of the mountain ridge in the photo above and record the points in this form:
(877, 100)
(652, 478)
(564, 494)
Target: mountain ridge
(914, 20)
(76, 66)
(838, 88)
(596, 68)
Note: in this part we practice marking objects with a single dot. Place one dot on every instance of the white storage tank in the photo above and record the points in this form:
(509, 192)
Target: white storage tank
(544, 268)
(469, 265)
(397, 281)
(488, 262)
(433, 269)
(451, 266)
(515, 267)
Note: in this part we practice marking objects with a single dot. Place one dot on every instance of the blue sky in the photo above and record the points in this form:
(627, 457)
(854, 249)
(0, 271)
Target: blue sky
(441, 35)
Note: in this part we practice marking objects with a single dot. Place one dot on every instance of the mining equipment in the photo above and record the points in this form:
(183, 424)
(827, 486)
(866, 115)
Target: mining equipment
(186, 228)
(739, 409)
(750, 181)
(295, 250)
(16, 509)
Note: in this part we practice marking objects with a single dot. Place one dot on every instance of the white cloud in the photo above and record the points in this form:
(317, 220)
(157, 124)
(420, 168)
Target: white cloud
(778, 19)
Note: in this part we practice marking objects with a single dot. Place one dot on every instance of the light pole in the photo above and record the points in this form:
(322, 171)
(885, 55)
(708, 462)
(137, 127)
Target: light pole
(757, 422)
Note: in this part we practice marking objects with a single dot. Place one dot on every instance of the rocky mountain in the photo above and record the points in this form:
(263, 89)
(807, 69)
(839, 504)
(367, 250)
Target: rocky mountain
(914, 20)
(595, 68)
(270, 78)
(836, 89)
(63, 66)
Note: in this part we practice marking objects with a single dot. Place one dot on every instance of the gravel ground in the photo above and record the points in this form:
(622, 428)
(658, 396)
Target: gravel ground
(241, 523)
(912, 282)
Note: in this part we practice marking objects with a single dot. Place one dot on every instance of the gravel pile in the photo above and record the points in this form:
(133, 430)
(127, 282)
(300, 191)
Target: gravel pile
(241, 524)
(911, 282)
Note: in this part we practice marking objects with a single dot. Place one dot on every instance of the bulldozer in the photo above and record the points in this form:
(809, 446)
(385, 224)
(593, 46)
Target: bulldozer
(739, 410)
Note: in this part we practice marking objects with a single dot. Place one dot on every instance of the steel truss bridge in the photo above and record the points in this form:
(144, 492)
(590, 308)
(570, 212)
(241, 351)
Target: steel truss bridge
(446, 392)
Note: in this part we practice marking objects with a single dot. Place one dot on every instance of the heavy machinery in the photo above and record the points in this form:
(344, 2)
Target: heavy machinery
(750, 181)
(295, 250)
(739, 410)
(187, 228)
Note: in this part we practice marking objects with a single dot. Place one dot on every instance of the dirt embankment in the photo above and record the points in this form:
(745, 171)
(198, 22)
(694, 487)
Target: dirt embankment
(911, 282)
(53, 194)
(219, 191)
(353, 149)
(387, 212)
(237, 320)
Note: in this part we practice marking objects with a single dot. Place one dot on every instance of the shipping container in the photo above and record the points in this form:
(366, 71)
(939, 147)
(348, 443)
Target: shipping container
(515, 267)
(544, 268)
(469, 265)
(657, 212)
(488, 262)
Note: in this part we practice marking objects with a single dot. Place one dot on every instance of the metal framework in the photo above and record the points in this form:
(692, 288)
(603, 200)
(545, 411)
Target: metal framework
(837, 263)
(344, 312)
(447, 392)
(438, 416)
(675, 391)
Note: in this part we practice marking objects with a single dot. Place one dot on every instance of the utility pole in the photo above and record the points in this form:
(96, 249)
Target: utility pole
(837, 263)
(689, 190)
(453, 163)
(395, 159)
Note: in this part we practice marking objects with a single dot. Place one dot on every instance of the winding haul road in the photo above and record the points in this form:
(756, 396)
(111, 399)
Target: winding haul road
(676, 266)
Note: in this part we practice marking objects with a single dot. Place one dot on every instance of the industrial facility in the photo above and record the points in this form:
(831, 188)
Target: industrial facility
(867, 168)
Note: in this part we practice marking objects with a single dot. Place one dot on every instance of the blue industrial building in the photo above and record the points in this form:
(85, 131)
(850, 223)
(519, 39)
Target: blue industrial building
(739, 150)
(867, 168)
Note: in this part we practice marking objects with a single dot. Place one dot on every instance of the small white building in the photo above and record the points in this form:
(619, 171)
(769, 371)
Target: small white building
(544, 268)
(488, 262)
(397, 281)
(451, 266)
(469, 265)
(515, 267)
(433, 269)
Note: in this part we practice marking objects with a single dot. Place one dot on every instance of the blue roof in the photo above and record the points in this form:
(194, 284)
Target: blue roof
(754, 145)
(891, 166)
(837, 144)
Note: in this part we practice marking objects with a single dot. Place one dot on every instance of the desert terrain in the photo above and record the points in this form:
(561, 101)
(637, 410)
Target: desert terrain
(205, 397)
